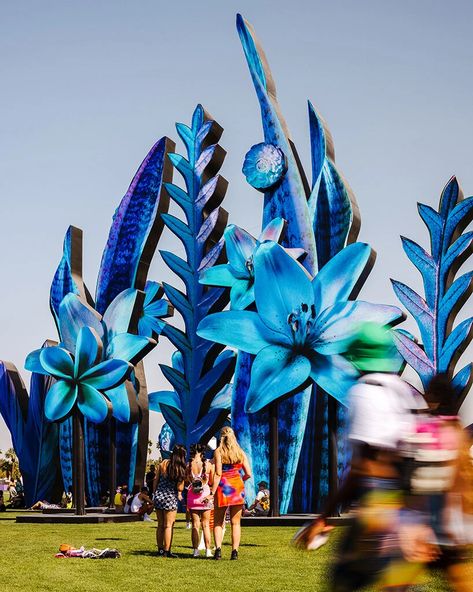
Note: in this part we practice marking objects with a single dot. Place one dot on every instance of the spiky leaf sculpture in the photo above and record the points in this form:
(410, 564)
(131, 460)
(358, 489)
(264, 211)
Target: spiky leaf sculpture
(200, 369)
(444, 296)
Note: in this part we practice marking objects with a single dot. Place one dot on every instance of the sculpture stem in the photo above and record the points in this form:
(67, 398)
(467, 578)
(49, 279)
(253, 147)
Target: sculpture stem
(79, 464)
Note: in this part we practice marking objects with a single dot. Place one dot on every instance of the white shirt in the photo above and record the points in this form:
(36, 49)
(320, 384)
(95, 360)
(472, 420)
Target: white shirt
(381, 410)
(136, 504)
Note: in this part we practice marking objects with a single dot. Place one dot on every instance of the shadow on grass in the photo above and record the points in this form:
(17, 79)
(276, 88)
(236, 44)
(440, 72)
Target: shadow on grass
(111, 539)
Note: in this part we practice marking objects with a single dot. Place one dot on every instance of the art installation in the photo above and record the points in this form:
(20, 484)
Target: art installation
(286, 303)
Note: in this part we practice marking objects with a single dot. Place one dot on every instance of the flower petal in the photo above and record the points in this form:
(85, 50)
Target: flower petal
(123, 407)
(88, 350)
(219, 275)
(342, 277)
(177, 361)
(33, 363)
(239, 245)
(273, 231)
(242, 330)
(339, 324)
(281, 285)
(75, 313)
(106, 375)
(334, 374)
(242, 294)
(276, 371)
(60, 400)
(153, 291)
(149, 326)
(57, 362)
(169, 398)
(93, 404)
(129, 347)
(120, 311)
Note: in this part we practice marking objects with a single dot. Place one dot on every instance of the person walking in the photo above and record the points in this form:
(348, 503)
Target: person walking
(168, 488)
(232, 469)
(199, 497)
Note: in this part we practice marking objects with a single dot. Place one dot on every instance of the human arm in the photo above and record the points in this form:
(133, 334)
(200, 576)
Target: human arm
(246, 468)
(217, 472)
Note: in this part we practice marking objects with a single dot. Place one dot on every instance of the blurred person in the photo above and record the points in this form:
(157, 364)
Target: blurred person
(142, 504)
(118, 500)
(260, 507)
(3, 507)
(232, 469)
(200, 500)
(168, 488)
(150, 478)
(381, 412)
(129, 498)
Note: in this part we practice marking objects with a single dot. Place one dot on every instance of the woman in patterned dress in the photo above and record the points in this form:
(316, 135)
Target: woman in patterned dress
(231, 470)
(168, 488)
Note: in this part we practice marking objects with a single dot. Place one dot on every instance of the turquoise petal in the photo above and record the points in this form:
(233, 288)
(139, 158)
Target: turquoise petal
(242, 330)
(219, 275)
(239, 245)
(276, 371)
(93, 404)
(335, 375)
(177, 361)
(107, 374)
(339, 324)
(158, 308)
(149, 326)
(128, 347)
(88, 350)
(118, 315)
(242, 294)
(341, 276)
(118, 396)
(75, 313)
(33, 362)
(281, 286)
(169, 398)
(153, 291)
(60, 400)
(273, 230)
(57, 362)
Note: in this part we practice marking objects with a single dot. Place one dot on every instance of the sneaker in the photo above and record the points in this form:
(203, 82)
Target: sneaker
(208, 553)
(160, 552)
(188, 526)
(170, 554)
(234, 555)
(218, 553)
(196, 553)
(147, 518)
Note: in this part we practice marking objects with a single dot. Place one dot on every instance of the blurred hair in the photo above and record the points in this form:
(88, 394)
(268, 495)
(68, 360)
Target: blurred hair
(197, 449)
(176, 469)
(440, 392)
(229, 448)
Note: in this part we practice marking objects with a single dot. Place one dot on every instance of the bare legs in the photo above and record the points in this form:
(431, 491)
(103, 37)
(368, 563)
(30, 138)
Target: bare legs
(165, 528)
(235, 520)
(219, 521)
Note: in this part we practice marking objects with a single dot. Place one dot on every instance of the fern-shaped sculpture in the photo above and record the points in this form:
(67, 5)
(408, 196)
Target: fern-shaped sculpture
(442, 344)
(201, 371)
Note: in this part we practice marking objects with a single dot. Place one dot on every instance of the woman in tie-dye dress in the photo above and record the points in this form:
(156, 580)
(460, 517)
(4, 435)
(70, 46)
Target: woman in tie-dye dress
(231, 470)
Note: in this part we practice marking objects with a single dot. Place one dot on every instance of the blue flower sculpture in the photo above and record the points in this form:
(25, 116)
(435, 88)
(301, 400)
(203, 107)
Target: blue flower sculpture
(264, 166)
(80, 379)
(302, 325)
(238, 273)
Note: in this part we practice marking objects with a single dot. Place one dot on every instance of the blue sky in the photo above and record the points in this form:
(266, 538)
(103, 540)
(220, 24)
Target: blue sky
(87, 87)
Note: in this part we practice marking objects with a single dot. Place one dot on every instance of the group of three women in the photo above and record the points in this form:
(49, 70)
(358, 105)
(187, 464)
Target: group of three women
(212, 485)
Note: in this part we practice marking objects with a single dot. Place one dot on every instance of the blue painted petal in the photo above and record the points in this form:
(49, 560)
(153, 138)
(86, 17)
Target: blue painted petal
(339, 324)
(177, 361)
(273, 231)
(242, 330)
(92, 404)
(169, 398)
(118, 396)
(220, 275)
(334, 374)
(158, 308)
(88, 351)
(128, 347)
(342, 277)
(75, 313)
(33, 363)
(153, 291)
(281, 285)
(239, 245)
(223, 399)
(118, 315)
(57, 362)
(276, 371)
(242, 294)
(60, 400)
(107, 374)
(149, 326)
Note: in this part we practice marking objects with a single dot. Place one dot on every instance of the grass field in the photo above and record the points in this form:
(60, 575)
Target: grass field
(267, 562)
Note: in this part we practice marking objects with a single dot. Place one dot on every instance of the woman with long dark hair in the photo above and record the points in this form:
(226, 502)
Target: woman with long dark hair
(200, 475)
(231, 470)
(168, 487)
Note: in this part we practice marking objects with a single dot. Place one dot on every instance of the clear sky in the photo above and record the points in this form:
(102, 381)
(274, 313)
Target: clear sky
(87, 87)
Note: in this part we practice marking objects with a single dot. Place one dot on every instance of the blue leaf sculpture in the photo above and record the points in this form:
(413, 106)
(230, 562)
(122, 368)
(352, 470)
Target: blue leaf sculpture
(444, 296)
(199, 373)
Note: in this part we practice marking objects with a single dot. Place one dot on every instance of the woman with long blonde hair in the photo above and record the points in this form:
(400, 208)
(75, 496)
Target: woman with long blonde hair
(232, 469)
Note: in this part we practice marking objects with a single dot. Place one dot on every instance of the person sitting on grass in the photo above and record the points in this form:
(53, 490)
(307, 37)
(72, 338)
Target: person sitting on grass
(3, 507)
(142, 505)
(260, 507)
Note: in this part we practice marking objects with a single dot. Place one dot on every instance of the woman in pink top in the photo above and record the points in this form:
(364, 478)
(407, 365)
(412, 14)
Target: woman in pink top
(199, 498)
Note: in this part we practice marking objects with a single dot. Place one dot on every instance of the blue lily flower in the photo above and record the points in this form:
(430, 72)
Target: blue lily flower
(238, 273)
(155, 308)
(81, 379)
(302, 325)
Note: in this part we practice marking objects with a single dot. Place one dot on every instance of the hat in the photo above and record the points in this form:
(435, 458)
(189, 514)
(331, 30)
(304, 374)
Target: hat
(373, 349)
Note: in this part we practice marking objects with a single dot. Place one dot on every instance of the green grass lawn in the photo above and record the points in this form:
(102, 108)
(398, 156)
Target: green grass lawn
(267, 561)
